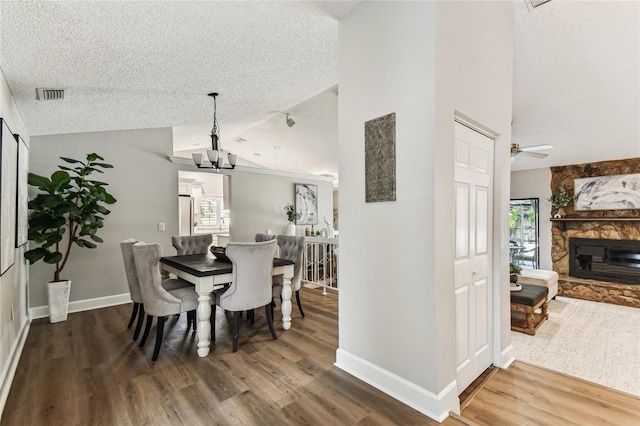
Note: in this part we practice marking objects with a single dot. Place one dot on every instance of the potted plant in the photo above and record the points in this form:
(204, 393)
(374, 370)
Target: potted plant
(514, 271)
(559, 200)
(70, 205)
(291, 217)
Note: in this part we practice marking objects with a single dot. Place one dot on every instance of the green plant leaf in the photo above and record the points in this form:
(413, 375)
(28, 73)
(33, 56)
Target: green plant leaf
(71, 160)
(34, 255)
(41, 182)
(93, 157)
(105, 165)
(60, 179)
(54, 257)
(94, 237)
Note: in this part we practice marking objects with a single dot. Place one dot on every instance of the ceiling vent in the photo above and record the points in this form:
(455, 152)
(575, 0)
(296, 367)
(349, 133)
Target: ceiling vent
(535, 3)
(49, 94)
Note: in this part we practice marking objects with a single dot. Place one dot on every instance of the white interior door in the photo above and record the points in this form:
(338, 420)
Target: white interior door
(473, 203)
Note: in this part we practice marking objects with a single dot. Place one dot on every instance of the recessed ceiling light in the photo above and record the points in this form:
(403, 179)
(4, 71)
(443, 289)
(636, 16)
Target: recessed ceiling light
(276, 147)
(257, 154)
(240, 140)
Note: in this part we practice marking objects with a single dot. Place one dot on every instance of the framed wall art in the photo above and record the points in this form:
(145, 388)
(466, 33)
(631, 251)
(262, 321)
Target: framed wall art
(615, 192)
(306, 204)
(22, 201)
(380, 159)
(8, 182)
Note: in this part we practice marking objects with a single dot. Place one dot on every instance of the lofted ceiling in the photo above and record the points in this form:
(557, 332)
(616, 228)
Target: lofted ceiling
(577, 81)
(131, 65)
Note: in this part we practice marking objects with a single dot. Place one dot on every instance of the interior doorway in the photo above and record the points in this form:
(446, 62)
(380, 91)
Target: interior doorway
(524, 232)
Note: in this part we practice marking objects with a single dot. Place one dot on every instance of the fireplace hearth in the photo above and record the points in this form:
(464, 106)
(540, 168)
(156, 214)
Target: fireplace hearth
(606, 260)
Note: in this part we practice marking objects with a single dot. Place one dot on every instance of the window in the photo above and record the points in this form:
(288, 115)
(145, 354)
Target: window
(524, 232)
(213, 213)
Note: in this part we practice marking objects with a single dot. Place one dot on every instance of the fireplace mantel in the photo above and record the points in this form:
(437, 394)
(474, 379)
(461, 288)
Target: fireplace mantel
(562, 221)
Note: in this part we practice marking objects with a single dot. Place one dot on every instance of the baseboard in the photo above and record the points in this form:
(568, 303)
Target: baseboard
(435, 406)
(12, 365)
(506, 358)
(84, 305)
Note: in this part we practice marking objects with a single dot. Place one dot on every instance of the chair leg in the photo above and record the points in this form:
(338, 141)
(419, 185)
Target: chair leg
(159, 333)
(189, 321)
(212, 320)
(251, 316)
(299, 304)
(136, 305)
(236, 329)
(267, 310)
(140, 321)
(147, 328)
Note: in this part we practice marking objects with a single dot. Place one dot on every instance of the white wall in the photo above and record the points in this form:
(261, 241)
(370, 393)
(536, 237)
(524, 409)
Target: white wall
(14, 320)
(474, 66)
(423, 61)
(144, 182)
(536, 183)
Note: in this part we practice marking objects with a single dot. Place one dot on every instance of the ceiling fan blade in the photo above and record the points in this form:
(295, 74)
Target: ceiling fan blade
(535, 148)
(534, 154)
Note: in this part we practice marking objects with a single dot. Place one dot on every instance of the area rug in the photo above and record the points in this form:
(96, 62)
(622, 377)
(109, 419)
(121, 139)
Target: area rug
(597, 342)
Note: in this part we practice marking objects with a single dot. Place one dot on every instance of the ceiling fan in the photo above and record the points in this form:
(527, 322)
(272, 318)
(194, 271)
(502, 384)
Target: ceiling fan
(529, 151)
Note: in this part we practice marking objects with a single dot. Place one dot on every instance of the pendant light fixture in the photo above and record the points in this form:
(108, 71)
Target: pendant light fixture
(215, 153)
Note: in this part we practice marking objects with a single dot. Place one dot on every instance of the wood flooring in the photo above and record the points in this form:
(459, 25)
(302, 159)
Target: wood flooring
(88, 371)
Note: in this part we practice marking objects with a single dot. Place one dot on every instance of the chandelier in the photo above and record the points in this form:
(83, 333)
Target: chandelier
(215, 154)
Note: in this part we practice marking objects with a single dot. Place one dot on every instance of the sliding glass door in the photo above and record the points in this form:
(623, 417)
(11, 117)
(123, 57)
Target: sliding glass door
(524, 248)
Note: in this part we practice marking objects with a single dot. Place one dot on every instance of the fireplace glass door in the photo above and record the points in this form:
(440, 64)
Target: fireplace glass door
(524, 248)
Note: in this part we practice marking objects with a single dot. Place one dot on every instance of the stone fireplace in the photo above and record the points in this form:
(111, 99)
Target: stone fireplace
(611, 227)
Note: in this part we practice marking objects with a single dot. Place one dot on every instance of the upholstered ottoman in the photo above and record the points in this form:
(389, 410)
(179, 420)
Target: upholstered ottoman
(541, 277)
(524, 304)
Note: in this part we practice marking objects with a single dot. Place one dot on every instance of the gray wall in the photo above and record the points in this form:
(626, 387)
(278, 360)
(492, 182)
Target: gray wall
(536, 183)
(258, 200)
(144, 182)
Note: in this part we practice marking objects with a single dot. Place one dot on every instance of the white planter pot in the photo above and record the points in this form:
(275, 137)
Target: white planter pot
(291, 228)
(58, 292)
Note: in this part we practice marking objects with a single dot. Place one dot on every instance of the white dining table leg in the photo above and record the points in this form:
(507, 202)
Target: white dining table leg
(286, 303)
(204, 326)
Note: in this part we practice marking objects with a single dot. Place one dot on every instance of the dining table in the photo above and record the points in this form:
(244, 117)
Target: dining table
(207, 274)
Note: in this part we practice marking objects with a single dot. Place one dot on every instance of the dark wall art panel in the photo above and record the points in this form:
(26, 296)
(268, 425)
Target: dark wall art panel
(380, 159)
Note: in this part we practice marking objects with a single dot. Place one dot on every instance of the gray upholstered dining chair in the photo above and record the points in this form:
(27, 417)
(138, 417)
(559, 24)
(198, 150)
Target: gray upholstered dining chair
(126, 246)
(291, 248)
(159, 302)
(251, 282)
(192, 244)
(267, 237)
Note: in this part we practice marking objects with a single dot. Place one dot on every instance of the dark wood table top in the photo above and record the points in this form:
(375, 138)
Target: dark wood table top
(204, 265)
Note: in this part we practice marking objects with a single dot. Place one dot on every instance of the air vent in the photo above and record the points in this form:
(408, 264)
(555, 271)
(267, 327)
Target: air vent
(49, 94)
(536, 3)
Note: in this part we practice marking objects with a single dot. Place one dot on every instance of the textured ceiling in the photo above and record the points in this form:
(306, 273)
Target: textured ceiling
(577, 81)
(128, 65)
